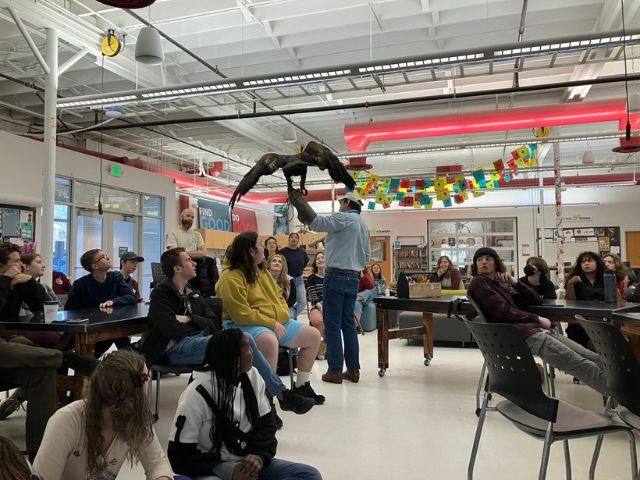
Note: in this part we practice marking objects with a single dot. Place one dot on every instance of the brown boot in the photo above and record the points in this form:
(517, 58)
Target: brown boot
(332, 377)
(352, 375)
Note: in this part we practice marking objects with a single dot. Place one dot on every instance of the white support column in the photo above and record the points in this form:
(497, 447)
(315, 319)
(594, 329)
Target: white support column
(49, 174)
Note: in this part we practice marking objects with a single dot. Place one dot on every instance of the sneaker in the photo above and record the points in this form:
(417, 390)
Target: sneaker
(306, 391)
(292, 402)
(332, 377)
(353, 375)
(79, 364)
(322, 351)
(12, 404)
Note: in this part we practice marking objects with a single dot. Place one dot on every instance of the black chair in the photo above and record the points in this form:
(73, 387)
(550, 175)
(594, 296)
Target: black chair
(549, 372)
(156, 274)
(621, 370)
(162, 367)
(513, 375)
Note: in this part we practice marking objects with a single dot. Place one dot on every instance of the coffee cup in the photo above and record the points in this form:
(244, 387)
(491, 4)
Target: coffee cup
(387, 293)
(50, 311)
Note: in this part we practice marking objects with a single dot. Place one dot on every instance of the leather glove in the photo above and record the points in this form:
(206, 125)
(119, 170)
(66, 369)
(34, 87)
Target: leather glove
(306, 214)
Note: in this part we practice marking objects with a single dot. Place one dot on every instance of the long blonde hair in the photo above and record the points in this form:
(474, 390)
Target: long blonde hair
(117, 383)
(14, 466)
(282, 279)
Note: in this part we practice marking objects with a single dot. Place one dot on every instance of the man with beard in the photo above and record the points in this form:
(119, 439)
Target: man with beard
(184, 237)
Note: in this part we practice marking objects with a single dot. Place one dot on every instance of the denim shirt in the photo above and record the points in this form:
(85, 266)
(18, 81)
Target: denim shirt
(347, 243)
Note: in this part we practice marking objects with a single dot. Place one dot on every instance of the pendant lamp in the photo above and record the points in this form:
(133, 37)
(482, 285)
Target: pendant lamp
(290, 134)
(149, 47)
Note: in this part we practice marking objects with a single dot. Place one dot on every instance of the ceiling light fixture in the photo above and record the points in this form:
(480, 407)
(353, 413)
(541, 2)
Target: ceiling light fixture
(149, 47)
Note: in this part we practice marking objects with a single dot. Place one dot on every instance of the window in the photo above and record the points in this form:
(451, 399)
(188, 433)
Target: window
(151, 206)
(152, 242)
(86, 195)
(61, 238)
(63, 190)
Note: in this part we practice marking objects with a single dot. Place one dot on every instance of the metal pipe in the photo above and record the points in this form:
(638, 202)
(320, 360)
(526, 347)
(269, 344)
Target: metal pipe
(72, 61)
(49, 174)
(380, 103)
(29, 40)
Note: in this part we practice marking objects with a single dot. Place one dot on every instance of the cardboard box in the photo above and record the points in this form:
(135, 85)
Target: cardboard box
(425, 290)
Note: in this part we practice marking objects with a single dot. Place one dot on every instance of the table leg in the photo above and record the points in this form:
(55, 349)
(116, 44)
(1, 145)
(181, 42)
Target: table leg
(383, 341)
(427, 337)
(85, 346)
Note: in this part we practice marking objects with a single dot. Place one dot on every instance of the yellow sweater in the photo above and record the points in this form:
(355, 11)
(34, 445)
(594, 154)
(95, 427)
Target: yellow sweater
(259, 303)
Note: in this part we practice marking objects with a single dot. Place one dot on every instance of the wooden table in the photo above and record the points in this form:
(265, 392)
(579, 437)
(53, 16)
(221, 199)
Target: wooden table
(103, 324)
(428, 306)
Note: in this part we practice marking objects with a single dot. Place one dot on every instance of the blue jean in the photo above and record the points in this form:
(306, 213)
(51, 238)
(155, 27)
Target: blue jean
(339, 292)
(366, 295)
(276, 470)
(301, 297)
(191, 350)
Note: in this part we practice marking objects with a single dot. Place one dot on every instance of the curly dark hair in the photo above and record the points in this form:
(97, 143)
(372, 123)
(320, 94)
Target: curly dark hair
(238, 255)
(576, 269)
(500, 268)
(117, 383)
(7, 248)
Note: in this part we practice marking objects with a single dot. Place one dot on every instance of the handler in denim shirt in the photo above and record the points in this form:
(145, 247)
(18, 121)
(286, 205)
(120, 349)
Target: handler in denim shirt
(347, 253)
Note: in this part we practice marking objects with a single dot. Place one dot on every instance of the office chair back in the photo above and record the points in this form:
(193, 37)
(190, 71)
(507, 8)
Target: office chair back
(512, 370)
(156, 274)
(480, 314)
(621, 368)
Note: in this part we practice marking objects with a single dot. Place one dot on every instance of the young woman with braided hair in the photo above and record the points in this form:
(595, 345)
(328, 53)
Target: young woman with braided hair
(224, 426)
(92, 438)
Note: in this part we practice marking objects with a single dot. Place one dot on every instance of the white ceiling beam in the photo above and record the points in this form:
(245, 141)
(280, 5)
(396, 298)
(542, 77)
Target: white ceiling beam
(425, 5)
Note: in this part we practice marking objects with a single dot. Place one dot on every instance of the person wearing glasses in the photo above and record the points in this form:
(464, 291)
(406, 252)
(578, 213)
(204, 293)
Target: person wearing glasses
(101, 287)
(93, 438)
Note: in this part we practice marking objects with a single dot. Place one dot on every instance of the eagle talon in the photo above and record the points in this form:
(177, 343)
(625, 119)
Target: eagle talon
(304, 192)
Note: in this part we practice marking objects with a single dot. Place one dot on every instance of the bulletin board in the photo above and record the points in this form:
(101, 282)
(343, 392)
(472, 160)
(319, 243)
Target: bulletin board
(17, 224)
(580, 239)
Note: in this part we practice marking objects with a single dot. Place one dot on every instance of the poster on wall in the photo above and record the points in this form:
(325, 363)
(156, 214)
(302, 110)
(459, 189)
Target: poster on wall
(243, 220)
(17, 224)
(281, 220)
(608, 238)
(213, 216)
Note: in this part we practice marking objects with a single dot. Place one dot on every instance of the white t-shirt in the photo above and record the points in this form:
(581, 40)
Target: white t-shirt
(190, 240)
(63, 452)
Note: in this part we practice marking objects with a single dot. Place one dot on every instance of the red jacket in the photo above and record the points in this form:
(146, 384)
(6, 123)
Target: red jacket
(366, 282)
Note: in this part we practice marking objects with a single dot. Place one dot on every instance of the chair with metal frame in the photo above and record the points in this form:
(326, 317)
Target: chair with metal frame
(621, 371)
(513, 375)
(549, 372)
(156, 274)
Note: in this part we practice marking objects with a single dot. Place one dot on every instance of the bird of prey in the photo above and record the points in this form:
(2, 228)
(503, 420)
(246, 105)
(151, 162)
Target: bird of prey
(314, 155)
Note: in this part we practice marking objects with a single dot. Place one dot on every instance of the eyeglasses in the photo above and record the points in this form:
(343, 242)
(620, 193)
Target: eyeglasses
(101, 257)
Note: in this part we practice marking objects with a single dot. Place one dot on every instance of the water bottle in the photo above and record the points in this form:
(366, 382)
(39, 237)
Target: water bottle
(610, 287)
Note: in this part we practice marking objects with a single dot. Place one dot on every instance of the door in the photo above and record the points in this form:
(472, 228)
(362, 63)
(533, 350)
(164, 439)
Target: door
(381, 253)
(633, 248)
(113, 233)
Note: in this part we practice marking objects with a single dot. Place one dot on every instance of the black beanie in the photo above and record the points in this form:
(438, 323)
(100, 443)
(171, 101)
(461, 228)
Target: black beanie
(485, 251)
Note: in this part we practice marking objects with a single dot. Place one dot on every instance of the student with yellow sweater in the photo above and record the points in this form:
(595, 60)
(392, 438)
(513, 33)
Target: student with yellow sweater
(253, 302)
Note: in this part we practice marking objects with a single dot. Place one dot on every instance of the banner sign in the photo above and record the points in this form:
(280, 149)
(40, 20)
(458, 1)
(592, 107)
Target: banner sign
(213, 216)
(243, 220)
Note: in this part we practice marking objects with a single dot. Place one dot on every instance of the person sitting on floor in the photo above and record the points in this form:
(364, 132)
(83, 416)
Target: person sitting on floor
(536, 273)
(447, 275)
(277, 266)
(93, 438)
(181, 322)
(34, 369)
(224, 425)
(128, 265)
(14, 466)
(501, 298)
(17, 288)
(253, 302)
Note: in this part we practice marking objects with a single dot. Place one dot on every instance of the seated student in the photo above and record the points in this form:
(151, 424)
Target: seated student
(181, 322)
(14, 466)
(128, 265)
(366, 291)
(252, 302)
(270, 246)
(224, 425)
(447, 275)
(34, 369)
(315, 283)
(585, 282)
(536, 276)
(501, 299)
(378, 278)
(100, 288)
(93, 438)
(17, 287)
(612, 262)
(277, 266)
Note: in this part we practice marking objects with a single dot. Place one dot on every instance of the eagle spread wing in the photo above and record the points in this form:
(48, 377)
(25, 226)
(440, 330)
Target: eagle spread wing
(267, 164)
(326, 160)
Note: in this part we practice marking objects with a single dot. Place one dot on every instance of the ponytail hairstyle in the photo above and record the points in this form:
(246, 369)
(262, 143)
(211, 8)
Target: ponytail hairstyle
(118, 384)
